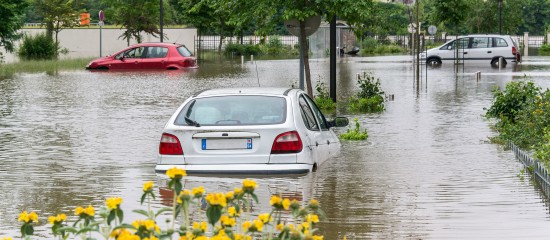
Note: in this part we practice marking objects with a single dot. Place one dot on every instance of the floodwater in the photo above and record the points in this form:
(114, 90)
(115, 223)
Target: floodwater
(427, 170)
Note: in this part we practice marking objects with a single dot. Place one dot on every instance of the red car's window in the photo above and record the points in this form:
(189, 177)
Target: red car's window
(184, 51)
(156, 52)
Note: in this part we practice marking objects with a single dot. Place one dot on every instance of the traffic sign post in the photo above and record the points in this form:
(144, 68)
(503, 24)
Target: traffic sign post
(101, 18)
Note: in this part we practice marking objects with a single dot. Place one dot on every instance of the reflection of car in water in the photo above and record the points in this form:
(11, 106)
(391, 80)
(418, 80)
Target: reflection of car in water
(486, 48)
(248, 131)
(354, 50)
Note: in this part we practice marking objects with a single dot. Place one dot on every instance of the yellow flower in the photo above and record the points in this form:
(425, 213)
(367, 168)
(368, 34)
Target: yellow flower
(148, 224)
(280, 227)
(57, 219)
(241, 237)
(113, 203)
(312, 218)
(148, 186)
(265, 218)
(238, 191)
(176, 173)
(286, 203)
(90, 211)
(198, 191)
(259, 225)
(294, 204)
(220, 236)
(230, 195)
(232, 212)
(6, 238)
(275, 200)
(203, 226)
(227, 221)
(119, 232)
(249, 185)
(216, 199)
(247, 225)
(151, 238)
(28, 217)
(314, 204)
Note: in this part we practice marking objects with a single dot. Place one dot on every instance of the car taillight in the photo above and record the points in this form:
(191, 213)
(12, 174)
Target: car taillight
(288, 142)
(514, 51)
(170, 145)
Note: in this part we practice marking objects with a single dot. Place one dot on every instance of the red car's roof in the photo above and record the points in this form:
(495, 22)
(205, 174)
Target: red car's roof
(155, 44)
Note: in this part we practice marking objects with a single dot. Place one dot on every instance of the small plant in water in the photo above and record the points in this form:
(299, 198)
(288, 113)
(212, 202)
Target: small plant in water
(323, 100)
(356, 133)
(224, 213)
(370, 98)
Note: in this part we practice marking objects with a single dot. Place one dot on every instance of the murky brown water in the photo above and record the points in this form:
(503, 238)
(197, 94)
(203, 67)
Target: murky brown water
(426, 172)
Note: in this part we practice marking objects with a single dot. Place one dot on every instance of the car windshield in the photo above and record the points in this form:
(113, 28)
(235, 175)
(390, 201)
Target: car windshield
(184, 51)
(233, 110)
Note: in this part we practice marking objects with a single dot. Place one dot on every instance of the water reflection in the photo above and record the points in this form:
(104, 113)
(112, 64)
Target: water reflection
(75, 138)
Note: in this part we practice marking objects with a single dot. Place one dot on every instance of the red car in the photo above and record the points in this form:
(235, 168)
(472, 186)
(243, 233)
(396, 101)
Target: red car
(148, 56)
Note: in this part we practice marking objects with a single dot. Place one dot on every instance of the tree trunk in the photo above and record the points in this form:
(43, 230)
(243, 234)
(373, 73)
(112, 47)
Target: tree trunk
(305, 48)
(49, 30)
(222, 25)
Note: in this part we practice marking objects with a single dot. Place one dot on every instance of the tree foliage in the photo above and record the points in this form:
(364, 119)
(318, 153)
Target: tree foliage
(136, 16)
(57, 15)
(11, 15)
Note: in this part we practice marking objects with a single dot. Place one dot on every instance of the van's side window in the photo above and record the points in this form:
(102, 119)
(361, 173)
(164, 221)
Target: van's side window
(499, 42)
(480, 42)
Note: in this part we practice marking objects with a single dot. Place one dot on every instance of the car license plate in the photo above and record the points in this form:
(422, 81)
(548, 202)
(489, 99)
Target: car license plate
(226, 144)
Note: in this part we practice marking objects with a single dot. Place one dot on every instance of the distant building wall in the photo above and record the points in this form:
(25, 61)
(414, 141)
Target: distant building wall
(84, 42)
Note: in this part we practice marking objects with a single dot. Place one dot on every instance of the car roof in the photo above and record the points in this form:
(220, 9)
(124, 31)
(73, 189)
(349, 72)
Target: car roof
(163, 44)
(252, 91)
(485, 35)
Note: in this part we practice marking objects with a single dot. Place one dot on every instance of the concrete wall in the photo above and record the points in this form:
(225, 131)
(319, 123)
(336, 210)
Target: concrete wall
(84, 42)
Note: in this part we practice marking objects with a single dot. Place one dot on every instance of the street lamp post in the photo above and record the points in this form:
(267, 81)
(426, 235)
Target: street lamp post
(499, 16)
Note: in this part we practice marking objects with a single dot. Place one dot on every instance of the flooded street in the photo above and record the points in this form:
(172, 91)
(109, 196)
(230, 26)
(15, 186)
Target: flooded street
(427, 170)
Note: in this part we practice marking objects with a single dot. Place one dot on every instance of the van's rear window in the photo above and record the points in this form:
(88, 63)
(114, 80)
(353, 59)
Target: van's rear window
(234, 110)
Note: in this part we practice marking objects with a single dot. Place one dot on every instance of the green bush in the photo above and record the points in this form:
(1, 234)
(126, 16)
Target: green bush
(38, 47)
(356, 133)
(370, 98)
(323, 100)
(542, 152)
(242, 49)
(544, 50)
(515, 97)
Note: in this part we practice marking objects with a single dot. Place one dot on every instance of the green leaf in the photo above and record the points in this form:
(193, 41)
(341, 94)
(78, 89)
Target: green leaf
(166, 209)
(143, 198)
(120, 214)
(67, 229)
(214, 214)
(111, 217)
(254, 197)
(178, 187)
(29, 230)
(141, 211)
(125, 225)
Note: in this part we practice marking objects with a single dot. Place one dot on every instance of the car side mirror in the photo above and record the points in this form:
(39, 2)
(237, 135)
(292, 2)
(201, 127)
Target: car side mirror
(339, 122)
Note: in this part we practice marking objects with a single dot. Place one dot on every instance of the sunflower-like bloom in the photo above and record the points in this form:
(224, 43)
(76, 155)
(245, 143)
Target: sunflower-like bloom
(57, 219)
(227, 221)
(314, 203)
(203, 226)
(249, 185)
(126, 235)
(312, 218)
(151, 238)
(113, 203)
(255, 226)
(232, 212)
(148, 186)
(28, 217)
(90, 211)
(241, 237)
(275, 200)
(198, 191)
(176, 173)
(220, 236)
(6, 238)
(216, 199)
(119, 232)
(294, 204)
(280, 227)
(148, 224)
(230, 195)
(265, 218)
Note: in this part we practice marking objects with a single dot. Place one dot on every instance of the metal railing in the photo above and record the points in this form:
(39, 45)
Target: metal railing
(539, 171)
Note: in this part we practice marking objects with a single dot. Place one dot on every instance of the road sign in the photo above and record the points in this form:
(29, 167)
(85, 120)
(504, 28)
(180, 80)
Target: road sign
(411, 28)
(311, 25)
(101, 16)
(432, 29)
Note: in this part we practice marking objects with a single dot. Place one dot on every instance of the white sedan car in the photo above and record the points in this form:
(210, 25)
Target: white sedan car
(248, 131)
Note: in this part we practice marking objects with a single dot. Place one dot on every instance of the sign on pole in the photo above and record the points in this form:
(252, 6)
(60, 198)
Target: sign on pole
(101, 18)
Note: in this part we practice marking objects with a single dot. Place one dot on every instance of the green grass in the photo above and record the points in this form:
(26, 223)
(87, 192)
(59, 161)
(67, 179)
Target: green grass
(37, 66)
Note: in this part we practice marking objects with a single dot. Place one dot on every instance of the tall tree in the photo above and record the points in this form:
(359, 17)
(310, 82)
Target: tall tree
(58, 15)
(136, 16)
(11, 15)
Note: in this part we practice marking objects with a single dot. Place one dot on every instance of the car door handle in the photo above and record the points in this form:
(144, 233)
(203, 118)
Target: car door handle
(316, 144)
(328, 142)
(465, 52)
(489, 51)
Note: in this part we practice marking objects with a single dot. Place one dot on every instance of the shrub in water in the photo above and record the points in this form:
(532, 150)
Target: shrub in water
(356, 133)
(38, 47)
(323, 100)
(370, 98)
(544, 50)
(242, 49)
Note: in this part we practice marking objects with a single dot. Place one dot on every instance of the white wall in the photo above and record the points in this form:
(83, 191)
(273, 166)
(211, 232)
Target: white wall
(84, 42)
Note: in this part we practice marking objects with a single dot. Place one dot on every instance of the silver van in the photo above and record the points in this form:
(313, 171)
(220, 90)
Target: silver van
(479, 47)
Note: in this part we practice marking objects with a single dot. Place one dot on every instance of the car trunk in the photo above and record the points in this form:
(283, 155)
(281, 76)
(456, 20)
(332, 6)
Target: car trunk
(243, 146)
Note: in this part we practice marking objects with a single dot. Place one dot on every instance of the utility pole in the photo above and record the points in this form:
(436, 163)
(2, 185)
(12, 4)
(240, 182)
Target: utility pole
(161, 21)
(500, 17)
(417, 43)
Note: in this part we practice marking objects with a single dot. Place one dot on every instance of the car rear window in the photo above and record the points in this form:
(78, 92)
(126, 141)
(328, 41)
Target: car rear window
(184, 51)
(234, 110)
